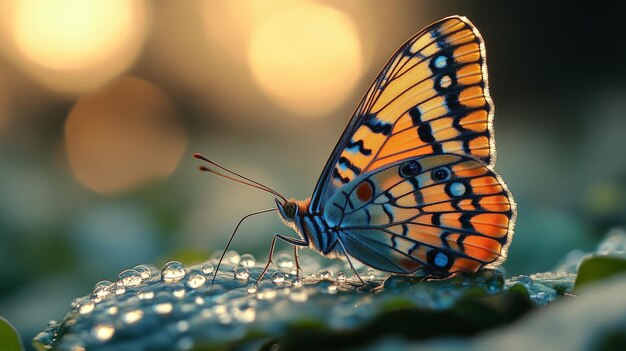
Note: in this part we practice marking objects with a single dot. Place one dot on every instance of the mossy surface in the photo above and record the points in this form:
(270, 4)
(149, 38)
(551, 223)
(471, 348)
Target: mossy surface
(176, 308)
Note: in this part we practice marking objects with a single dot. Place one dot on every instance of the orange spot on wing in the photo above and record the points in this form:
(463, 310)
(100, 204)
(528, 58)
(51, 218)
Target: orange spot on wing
(498, 203)
(364, 191)
(467, 53)
(470, 74)
(492, 224)
(462, 264)
(482, 248)
(472, 97)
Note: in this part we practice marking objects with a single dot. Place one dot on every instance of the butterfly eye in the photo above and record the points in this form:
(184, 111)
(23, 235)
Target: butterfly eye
(410, 169)
(290, 209)
(440, 174)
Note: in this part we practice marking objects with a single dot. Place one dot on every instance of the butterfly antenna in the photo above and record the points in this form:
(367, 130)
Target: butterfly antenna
(237, 177)
(232, 236)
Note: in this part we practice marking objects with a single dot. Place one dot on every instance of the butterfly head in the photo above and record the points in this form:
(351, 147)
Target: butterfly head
(288, 209)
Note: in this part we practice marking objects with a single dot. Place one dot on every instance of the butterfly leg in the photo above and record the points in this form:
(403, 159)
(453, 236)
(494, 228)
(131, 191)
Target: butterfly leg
(295, 256)
(292, 241)
(350, 263)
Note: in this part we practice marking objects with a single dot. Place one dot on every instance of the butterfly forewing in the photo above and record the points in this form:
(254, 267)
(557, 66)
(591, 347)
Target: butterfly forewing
(431, 98)
(445, 213)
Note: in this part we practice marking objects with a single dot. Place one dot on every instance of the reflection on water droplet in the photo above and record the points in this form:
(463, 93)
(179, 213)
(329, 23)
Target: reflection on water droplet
(120, 290)
(195, 279)
(247, 261)
(325, 274)
(284, 261)
(163, 308)
(207, 268)
(242, 273)
(129, 278)
(103, 332)
(252, 288)
(102, 289)
(133, 316)
(199, 300)
(341, 276)
(278, 278)
(112, 310)
(144, 271)
(172, 272)
(86, 306)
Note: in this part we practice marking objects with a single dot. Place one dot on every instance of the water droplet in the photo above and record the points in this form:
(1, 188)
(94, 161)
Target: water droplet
(325, 274)
(207, 268)
(182, 326)
(195, 279)
(341, 276)
(525, 280)
(299, 295)
(232, 257)
(103, 332)
(185, 344)
(284, 261)
(172, 272)
(296, 282)
(247, 261)
(179, 293)
(242, 273)
(278, 278)
(120, 290)
(129, 278)
(245, 313)
(146, 295)
(326, 286)
(86, 306)
(132, 317)
(252, 288)
(102, 289)
(144, 271)
(266, 293)
(163, 308)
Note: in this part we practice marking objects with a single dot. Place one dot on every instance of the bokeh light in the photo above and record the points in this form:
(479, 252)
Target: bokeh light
(306, 57)
(65, 41)
(124, 135)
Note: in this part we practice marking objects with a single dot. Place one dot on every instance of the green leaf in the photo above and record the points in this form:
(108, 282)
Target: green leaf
(9, 338)
(598, 268)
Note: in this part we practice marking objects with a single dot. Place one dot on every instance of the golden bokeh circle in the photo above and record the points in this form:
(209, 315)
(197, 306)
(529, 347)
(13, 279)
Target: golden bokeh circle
(124, 135)
(306, 57)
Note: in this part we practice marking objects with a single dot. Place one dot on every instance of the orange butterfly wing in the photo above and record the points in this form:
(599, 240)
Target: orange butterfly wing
(432, 97)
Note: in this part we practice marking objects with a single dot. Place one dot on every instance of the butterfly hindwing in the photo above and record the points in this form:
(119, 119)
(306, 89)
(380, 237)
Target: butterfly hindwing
(432, 97)
(445, 213)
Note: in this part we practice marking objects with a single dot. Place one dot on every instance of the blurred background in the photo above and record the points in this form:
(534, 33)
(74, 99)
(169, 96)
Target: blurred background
(103, 102)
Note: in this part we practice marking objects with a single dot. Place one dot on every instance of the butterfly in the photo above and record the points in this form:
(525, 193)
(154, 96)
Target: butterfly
(411, 184)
